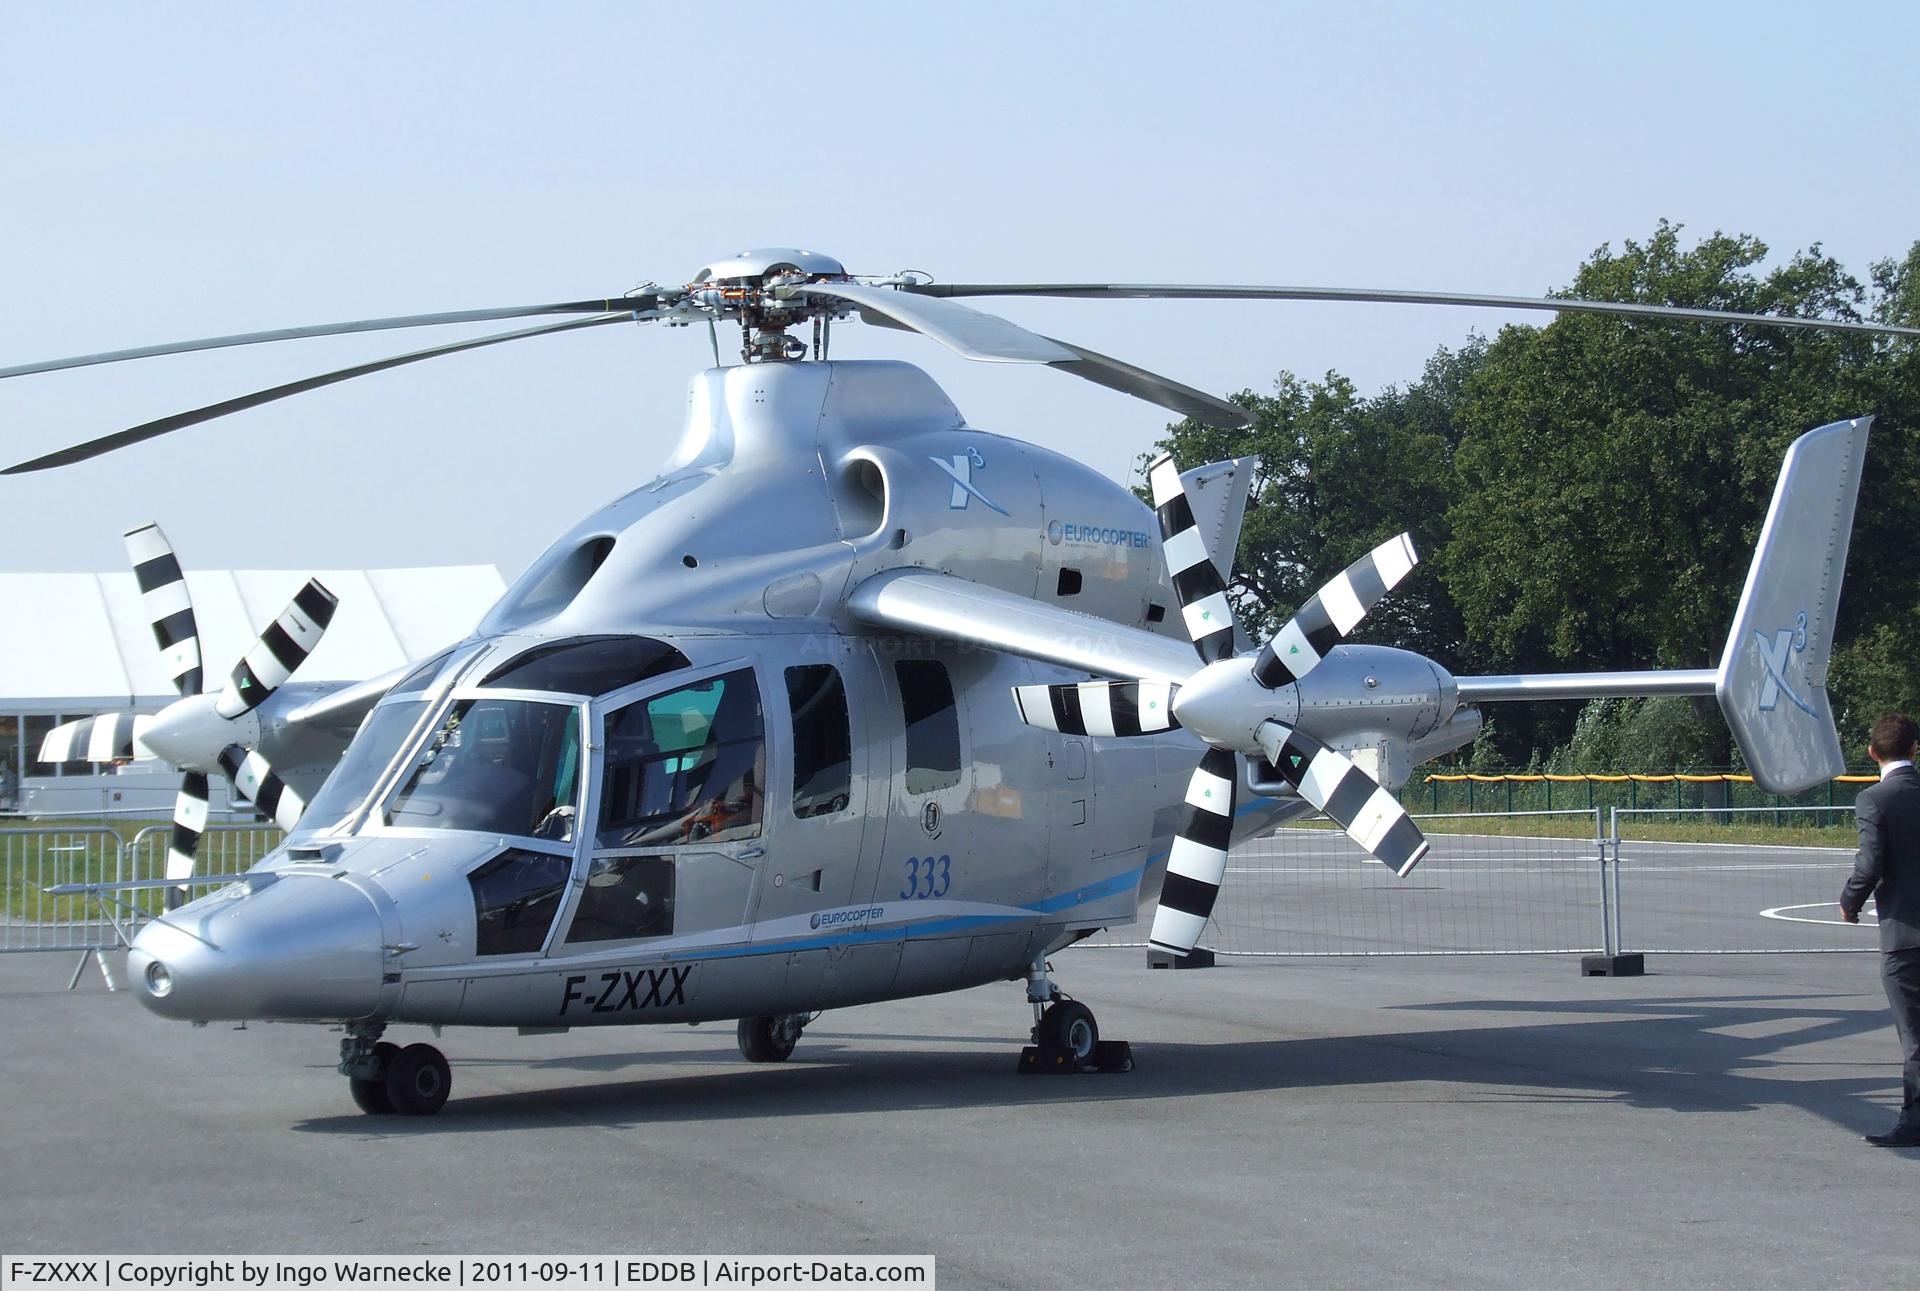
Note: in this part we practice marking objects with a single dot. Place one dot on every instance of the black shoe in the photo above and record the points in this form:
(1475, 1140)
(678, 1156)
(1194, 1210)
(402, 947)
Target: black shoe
(1900, 1136)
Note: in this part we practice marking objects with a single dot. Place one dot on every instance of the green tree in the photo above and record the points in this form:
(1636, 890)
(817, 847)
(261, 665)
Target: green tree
(1339, 474)
(1613, 472)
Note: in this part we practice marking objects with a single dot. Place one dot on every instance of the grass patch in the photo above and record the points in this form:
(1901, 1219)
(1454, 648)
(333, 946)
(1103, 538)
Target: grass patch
(1645, 829)
(103, 852)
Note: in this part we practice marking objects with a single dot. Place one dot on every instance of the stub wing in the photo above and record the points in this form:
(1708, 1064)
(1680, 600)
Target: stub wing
(953, 609)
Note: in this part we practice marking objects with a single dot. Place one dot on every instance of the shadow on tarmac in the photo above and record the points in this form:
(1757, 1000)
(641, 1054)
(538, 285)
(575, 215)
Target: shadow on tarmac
(1674, 1054)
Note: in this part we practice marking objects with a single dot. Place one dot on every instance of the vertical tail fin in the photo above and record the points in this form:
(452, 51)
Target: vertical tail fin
(1772, 681)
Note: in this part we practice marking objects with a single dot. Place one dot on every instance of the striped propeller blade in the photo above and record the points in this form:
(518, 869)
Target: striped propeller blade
(189, 823)
(1203, 597)
(1334, 611)
(108, 737)
(283, 647)
(1099, 707)
(254, 779)
(163, 593)
(1198, 861)
(1349, 796)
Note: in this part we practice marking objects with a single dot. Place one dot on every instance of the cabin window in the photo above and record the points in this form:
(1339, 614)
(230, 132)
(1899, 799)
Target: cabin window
(685, 766)
(822, 741)
(587, 665)
(496, 766)
(933, 725)
(625, 897)
(515, 897)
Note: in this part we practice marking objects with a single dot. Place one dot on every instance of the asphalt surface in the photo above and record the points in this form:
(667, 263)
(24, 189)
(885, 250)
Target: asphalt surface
(1496, 1122)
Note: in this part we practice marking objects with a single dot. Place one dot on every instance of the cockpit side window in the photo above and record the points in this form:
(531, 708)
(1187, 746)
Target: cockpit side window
(505, 766)
(515, 897)
(685, 766)
(587, 665)
(822, 741)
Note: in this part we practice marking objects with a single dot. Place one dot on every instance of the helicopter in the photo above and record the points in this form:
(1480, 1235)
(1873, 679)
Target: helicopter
(852, 701)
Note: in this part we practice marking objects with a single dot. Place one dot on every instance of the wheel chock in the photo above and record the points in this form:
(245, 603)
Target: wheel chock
(1108, 1056)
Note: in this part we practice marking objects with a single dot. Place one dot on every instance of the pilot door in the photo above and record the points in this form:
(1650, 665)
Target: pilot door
(679, 811)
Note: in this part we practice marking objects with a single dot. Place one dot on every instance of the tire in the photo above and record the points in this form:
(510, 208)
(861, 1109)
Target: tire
(770, 1039)
(418, 1081)
(370, 1096)
(1067, 1030)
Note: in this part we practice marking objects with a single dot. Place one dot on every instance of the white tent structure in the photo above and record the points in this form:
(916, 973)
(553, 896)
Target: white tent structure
(76, 644)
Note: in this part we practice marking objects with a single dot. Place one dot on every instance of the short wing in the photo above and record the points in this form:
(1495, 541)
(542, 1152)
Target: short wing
(953, 609)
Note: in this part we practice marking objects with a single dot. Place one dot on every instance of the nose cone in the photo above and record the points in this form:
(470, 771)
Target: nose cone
(293, 948)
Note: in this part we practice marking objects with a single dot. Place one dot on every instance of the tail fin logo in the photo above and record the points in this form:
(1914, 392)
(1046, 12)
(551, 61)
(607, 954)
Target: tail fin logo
(1775, 655)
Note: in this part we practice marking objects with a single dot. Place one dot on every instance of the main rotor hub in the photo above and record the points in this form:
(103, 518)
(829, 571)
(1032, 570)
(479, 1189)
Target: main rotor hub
(757, 266)
(749, 287)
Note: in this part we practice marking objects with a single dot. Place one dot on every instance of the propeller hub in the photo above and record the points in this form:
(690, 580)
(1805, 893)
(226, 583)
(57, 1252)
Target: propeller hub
(190, 734)
(1225, 705)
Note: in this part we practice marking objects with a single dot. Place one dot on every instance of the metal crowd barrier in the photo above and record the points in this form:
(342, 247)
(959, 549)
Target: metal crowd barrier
(32, 860)
(1708, 898)
(1519, 885)
(1494, 883)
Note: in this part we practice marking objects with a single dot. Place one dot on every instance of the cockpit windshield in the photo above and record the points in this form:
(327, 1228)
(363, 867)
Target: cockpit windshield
(505, 766)
(371, 751)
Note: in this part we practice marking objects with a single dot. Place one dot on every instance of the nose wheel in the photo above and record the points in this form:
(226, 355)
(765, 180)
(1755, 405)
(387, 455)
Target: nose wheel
(385, 1079)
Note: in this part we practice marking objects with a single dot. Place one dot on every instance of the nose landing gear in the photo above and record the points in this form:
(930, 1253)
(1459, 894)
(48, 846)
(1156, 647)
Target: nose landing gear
(385, 1079)
(1066, 1039)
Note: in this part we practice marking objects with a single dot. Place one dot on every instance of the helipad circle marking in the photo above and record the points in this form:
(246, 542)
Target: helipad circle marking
(1867, 919)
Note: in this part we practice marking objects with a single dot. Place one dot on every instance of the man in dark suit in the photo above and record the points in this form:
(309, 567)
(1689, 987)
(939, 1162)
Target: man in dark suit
(1888, 869)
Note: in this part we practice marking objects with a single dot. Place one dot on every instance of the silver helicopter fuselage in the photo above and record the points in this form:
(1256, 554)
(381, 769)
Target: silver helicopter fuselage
(925, 842)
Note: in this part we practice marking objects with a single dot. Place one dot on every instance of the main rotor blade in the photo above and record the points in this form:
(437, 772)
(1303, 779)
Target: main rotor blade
(1552, 304)
(990, 338)
(1115, 374)
(179, 421)
(631, 303)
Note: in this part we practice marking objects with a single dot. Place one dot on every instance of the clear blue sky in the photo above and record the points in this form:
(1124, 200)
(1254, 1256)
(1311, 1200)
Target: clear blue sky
(184, 170)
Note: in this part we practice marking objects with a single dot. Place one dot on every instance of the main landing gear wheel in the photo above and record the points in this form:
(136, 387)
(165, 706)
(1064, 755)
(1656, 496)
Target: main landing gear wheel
(418, 1080)
(770, 1039)
(1066, 1039)
(1067, 1036)
(370, 1096)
